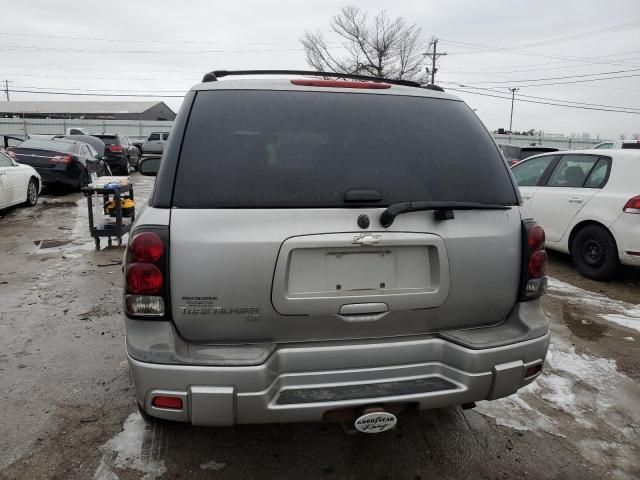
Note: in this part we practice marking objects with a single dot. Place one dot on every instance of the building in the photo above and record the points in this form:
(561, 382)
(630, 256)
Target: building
(88, 110)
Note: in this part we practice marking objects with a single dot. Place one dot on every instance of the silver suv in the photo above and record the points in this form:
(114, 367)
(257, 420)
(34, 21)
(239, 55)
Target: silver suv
(330, 250)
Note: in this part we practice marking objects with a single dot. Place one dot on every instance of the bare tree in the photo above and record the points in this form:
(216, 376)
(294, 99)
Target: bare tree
(384, 47)
(636, 136)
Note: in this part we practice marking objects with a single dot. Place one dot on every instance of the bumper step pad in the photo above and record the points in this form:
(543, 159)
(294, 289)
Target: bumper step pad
(360, 391)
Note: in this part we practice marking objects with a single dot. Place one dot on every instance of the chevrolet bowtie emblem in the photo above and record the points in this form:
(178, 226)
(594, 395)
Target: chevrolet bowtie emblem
(366, 239)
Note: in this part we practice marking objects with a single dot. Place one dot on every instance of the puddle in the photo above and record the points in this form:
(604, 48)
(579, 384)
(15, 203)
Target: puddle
(614, 311)
(140, 446)
(574, 319)
(48, 205)
(51, 243)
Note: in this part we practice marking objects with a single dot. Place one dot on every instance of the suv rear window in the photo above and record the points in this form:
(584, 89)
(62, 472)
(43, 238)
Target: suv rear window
(108, 139)
(260, 149)
(633, 145)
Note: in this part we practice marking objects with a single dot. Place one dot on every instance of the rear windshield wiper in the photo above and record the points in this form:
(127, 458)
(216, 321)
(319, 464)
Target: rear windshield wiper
(444, 210)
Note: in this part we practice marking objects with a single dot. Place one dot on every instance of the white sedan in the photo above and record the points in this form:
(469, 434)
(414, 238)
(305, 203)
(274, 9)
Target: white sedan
(588, 202)
(18, 183)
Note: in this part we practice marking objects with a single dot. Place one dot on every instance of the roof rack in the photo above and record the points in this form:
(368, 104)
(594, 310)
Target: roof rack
(213, 76)
(431, 86)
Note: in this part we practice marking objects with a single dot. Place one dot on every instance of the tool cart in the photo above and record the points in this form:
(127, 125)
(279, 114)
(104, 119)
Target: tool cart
(116, 212)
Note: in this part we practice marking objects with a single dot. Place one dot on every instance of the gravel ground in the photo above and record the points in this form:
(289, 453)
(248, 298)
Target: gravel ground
(70, 411)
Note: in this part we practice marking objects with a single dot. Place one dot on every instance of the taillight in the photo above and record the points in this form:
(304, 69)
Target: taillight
(115, 148)
(147, 247)
(63, 159)
(342, 84)
(535, 261)
(632, 206)
(144, 278)
(146, 266)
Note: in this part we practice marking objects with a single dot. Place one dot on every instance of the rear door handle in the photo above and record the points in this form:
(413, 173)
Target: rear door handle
(576, 199)
(527, 197)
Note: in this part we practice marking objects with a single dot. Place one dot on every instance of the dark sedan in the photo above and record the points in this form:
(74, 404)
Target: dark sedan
(120, 153)
(514, 154)
(60, 161)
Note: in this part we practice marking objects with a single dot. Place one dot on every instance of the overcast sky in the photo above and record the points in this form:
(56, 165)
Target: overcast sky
(166, 46)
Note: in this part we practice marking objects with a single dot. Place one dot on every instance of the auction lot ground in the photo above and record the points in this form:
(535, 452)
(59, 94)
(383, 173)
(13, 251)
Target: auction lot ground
(68, 410)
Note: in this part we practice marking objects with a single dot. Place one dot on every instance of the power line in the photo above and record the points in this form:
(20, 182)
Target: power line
(145, 52)
(534, 54)
(164, 42)
(462, 85)
(558, 78)
(543, 103)
(48, 92)
(576, 81)
(580, 36)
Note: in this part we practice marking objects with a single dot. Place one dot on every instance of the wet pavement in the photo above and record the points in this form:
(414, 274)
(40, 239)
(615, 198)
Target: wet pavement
(69, 410)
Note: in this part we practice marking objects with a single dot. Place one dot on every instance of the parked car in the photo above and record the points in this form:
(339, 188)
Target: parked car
(77, 131)
(60, 161)
(588, 203)
(514, 153)
(633, 144)
(345, 252)
(120, 153)
(18, 183)
(155, 143)
(10, 141)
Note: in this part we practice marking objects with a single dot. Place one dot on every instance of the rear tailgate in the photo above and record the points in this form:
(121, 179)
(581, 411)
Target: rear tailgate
(265, 248)
(277, 276)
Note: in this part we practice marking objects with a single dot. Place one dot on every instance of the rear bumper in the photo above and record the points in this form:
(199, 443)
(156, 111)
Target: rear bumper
(52, 177)
(302, 382)
(626, 231)
(115, 160)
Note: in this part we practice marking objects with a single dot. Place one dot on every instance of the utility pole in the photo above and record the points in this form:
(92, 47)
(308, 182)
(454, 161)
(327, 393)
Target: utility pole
(433, 56)
(6, 89)
(513, 95)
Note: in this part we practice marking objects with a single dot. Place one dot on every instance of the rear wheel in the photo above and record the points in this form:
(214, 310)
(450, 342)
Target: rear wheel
(32, 193)
(594, 253)
(84, 178)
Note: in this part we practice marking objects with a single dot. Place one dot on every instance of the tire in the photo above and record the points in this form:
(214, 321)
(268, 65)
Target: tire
(84, 179)
(32, 193)
(594, 253)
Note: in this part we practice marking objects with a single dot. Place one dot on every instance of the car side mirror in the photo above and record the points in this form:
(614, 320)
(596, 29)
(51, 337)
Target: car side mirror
(149, 166)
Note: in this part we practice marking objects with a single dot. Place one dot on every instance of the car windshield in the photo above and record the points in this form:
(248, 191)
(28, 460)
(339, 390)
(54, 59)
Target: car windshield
(307, 149)
(48, 145)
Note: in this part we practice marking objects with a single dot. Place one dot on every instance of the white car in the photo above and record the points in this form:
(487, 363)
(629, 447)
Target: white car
(633, 144)
(18, 183)
(588, 202)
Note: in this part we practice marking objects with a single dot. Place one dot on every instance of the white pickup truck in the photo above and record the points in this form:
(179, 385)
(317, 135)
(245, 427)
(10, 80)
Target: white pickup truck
(154, 144)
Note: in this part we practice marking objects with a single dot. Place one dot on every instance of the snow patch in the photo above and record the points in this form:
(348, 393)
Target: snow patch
(213, 465)
(138, 447)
